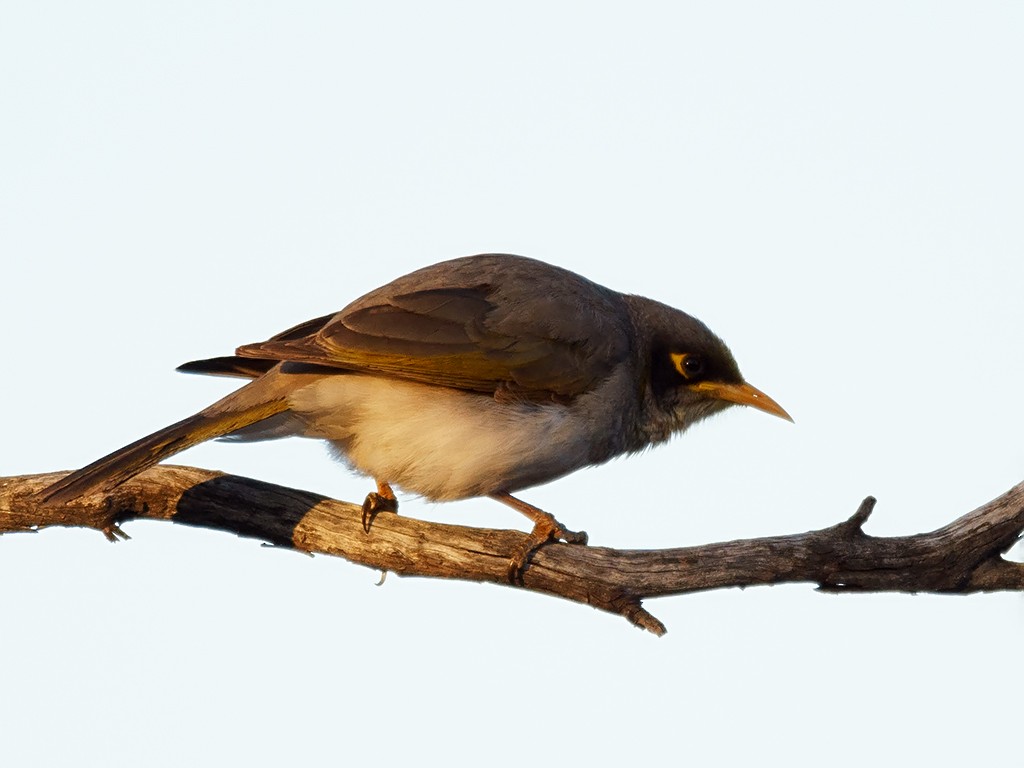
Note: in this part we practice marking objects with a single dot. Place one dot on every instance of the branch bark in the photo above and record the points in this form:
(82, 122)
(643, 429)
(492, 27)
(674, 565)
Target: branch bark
(962, 557)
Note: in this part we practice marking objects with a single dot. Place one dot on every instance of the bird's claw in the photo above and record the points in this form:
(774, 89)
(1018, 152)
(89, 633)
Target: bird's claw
(374, 504)
(114, 533)
(544, 532)
(572, 537)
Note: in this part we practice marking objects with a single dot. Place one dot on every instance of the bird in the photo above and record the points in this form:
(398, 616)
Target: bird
(478, 376)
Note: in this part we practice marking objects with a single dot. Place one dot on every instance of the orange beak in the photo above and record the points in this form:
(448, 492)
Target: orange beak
(742, 394)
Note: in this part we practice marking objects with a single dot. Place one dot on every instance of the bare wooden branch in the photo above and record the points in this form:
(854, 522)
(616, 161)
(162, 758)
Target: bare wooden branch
(962, 557)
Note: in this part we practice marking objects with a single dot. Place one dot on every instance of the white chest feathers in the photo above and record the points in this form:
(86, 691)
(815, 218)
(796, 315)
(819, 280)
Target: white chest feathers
(447, 444)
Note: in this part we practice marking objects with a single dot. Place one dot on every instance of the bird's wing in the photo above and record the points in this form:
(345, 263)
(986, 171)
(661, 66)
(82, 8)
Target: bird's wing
(249, 367)
(537, 336)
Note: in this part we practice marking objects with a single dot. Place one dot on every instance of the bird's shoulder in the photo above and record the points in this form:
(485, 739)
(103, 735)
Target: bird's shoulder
(492, 323)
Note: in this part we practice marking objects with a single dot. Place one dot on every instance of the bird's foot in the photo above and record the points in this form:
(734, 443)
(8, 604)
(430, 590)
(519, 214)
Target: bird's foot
(544, 532)
(381, 500)
(545, 529)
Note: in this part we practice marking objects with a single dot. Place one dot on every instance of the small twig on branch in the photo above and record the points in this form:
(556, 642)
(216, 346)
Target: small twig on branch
(962, 557)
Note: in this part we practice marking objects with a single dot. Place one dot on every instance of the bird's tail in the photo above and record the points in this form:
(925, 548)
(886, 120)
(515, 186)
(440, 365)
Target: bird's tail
(221, 418)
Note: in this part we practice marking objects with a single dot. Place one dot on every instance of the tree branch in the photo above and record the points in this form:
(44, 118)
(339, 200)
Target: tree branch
(962, 557)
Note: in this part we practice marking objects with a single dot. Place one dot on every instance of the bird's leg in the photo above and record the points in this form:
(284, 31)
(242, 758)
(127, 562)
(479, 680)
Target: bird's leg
(381, 500)
(545, 528)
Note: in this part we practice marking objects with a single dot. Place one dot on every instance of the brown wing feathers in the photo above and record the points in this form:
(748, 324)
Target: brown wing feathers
(441, 337)
(248, 367)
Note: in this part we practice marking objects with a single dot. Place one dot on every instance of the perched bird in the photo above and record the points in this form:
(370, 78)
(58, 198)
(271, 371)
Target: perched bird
(479, 376)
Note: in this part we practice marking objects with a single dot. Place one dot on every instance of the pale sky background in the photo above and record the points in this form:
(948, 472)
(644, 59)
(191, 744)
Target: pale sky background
(835, 189)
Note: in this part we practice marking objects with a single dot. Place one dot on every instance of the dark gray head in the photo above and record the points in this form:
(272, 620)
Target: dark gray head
(688, 372)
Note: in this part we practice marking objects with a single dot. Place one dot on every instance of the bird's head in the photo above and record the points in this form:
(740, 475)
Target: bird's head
(691, 374)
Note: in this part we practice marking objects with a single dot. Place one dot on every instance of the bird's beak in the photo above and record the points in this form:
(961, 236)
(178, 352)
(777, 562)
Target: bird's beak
(742, 394)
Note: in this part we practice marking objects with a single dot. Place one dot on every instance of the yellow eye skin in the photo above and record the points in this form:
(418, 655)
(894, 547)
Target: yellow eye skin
(689, 365)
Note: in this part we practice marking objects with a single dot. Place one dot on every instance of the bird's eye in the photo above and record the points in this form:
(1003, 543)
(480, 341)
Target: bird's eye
(689, 365)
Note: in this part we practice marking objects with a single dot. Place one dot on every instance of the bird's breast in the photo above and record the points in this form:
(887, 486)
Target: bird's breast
(449, 444)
